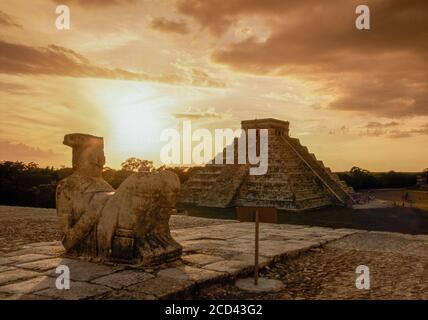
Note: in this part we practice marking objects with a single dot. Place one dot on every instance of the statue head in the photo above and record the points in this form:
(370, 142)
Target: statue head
(88, 153)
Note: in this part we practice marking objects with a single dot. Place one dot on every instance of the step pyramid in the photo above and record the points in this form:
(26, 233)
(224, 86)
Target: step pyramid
(295, 180)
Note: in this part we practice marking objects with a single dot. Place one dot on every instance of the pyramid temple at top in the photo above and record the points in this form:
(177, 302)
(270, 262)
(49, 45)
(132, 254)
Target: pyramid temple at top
(295, 180)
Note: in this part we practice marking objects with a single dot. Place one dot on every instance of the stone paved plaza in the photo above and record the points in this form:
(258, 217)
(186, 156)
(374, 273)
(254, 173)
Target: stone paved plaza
(398, 266)
(213, 253)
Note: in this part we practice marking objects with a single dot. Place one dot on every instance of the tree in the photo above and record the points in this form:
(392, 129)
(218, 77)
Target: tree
(425, 172)
(362, 179)
(137, 165)
(358, 171)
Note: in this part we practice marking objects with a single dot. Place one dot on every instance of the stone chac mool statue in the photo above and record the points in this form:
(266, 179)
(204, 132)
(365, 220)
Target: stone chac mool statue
(128, 225)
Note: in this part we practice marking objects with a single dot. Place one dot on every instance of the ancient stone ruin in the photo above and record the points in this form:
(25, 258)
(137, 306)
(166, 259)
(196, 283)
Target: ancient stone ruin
(128, 225)
(295, 179)
(422, 181)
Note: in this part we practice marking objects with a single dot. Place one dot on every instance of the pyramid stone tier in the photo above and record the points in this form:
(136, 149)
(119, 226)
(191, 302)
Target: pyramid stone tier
(295, 180)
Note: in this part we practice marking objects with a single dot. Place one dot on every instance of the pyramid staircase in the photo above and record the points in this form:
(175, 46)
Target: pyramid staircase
(295, 180)
(337, 187)
(288, 184)
(214, 185)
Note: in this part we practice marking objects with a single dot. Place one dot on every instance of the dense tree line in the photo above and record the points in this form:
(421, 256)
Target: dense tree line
(363, 179)
(27, 184)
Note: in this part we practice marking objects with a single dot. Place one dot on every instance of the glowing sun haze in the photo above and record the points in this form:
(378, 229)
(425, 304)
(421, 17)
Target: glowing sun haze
(127, 69)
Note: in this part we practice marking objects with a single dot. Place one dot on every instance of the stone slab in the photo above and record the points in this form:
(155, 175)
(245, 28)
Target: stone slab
(43, 244)
(201, 259)
(4, 295)
(15, 275)
(6, 268)
(232, 267)
(193, 245)
(123, 279)
(78, 291)
(27, 296)
(86, 271)
(22, 258)
(46, 264)
(199, 233)
(263, 285)
(50, 250)
(21, 252)
(161, 288)
(196, 275)
(249, 259)
(128, 295)
(29, 286)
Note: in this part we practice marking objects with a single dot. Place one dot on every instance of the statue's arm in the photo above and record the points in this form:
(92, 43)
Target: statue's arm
(87, 221)
(80, 229)
(64, 208)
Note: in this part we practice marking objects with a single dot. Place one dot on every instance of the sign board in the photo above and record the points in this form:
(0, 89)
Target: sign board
(247, 214)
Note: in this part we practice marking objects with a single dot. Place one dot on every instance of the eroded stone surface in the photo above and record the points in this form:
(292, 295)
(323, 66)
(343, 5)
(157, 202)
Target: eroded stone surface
(78, 290)
(127, 225)
(43, 244)
(201, 259)
(14, 275)
(295, 179)
(161, 287)
(123, 279)
(29, 286)
(27, 296)
(6, 268)
(214, 253)
(196, 275)
(4, 296)
(398, 270)
(86, 271)
(263, 285)
(21, 257)
(385, 242)
(232, 267)
(127, 295)
(249, 259)
(54, 250)
(46, 264)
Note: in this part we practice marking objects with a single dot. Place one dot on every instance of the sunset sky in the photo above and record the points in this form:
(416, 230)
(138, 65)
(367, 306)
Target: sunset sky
(128, 69)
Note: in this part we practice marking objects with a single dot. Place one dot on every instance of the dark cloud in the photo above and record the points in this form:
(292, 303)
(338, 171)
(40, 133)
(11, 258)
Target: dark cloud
(384, 92)
(218, 15)
(95, 3)
(165, 25)
(392, 130)
(398, 134)
(15, 88)
(381, 71)
(193, 114)
(60, 61)
(23, 152)
(199, 77)
(7, 20)
(377, 125)
(421, 130)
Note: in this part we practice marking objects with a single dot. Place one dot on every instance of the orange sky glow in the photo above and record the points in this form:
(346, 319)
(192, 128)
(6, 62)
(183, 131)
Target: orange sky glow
(127, 69)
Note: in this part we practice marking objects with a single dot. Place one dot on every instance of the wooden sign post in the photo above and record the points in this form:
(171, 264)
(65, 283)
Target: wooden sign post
(257, 215)
(256, 250)
(246, 214)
